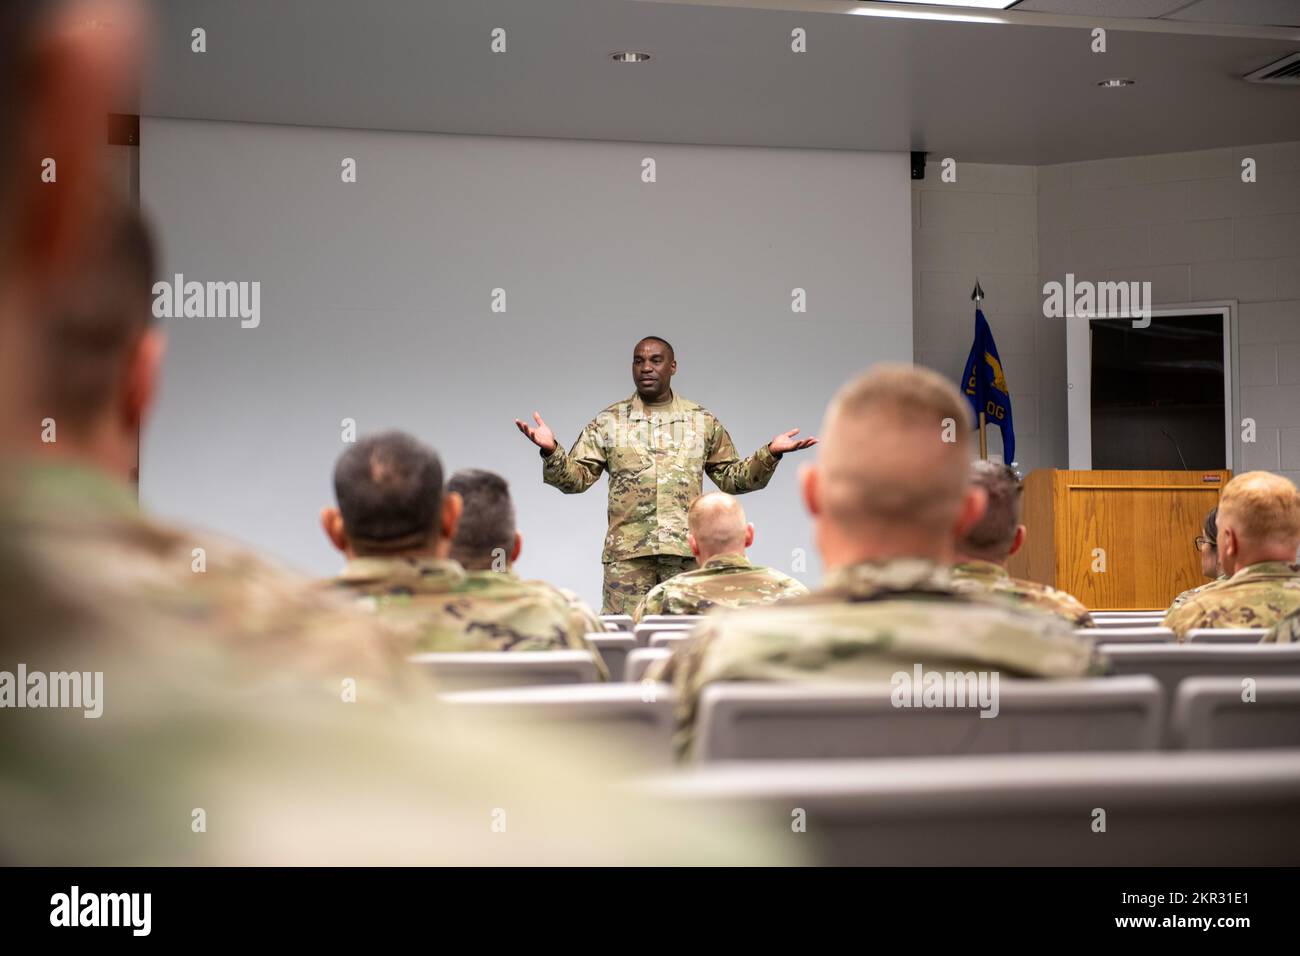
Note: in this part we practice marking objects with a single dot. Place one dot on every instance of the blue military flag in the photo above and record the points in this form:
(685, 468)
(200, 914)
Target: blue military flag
(986, 387)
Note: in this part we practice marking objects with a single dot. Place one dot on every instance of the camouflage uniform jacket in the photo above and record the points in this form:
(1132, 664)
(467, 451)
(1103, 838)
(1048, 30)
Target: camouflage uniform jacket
(1182, 598)
(1285, 631)
(109, 562)
(986, 577)
(867, 622)
(656, 457)
(725, 580)
(456, 610)
(212, 694)
(1256, 596)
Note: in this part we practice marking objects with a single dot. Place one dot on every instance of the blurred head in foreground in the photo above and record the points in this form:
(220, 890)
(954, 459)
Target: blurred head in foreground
(890, 480)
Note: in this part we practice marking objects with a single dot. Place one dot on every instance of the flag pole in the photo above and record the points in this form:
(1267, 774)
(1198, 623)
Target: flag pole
(977, 295)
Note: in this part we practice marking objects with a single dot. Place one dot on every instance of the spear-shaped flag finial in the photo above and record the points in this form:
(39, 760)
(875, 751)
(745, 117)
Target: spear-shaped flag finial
(978, 293)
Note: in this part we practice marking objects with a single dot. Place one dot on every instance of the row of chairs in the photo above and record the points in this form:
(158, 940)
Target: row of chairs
(1168, 663)
(1108, 809)
(757, 720)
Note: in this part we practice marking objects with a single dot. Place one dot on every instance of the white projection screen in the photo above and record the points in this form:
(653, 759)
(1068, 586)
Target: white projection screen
(375, 305)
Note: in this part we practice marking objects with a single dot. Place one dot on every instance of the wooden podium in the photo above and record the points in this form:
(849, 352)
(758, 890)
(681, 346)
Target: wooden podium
(1143, 522)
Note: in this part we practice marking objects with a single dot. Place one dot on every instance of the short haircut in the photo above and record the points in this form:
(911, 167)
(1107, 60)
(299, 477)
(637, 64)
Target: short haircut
(1212, 527)
(487, 523)
(662, 341)
(1264, 508)
(91, 325)
(19, 22)
(896, 451)
(718, 522)
(389, 490)
(992, 536)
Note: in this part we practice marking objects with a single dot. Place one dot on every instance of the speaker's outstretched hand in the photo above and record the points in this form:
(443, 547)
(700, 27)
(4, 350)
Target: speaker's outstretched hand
(541, 436)
(786, 441)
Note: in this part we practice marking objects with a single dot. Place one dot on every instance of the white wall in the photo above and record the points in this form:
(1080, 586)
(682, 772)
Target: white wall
(982, 226)
(1189, 225)
(375, 306)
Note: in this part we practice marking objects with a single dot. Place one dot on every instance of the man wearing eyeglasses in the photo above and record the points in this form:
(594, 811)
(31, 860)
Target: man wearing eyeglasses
(1207, 547)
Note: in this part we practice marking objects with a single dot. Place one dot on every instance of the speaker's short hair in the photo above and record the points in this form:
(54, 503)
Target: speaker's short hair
(389, 490)
(487, 522)
(672, 354)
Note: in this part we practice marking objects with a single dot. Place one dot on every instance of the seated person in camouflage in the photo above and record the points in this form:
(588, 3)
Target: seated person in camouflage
(888, 496)
(396, 527)
(90, 373)
(1258, 533)
(718, 535)
(1207, 547)
(488, 543)
(982, 552)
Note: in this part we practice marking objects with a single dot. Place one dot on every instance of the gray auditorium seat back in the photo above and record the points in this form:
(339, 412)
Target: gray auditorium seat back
(1172, 663)
(619, 622)
(635, 722)
(640, 659)
(644, 632)
(463, 671)
(1128, 620)
(614, 648)
(1126, 635)
(1210, 713)
(756, 720)
(672, 618)
(1226, 635)
(669, 639)
(1160, 809)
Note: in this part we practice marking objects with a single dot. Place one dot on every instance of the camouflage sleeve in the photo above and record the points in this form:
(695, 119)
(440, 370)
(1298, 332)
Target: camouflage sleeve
(1285, 631)
(652, 603)
(729, 471)
(683, 671)
(1182, 619)
(581, 467)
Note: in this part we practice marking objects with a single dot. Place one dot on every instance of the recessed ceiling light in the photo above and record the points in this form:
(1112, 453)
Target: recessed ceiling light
(1118, 81)
(629, 56)
(982, 4)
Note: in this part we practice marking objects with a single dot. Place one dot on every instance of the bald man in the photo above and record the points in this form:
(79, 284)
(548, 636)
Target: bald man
(718, 535)
(1258, 533)
(888, 496)
(983, 551)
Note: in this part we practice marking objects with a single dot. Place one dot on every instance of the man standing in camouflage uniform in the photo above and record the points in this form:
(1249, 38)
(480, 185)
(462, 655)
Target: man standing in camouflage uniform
(656, 446)
(718, 536)
(1208, 547)
(1258, 533)
(888, 495)
(396, 526)
(982, 552)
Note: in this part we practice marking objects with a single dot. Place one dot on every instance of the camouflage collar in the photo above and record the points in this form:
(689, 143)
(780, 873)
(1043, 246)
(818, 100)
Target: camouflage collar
(871, 579)
(737, 562)
(677, 410)
(436, 574)
(488, 574)
(985, 572)
(64, 490)
(1266, 570)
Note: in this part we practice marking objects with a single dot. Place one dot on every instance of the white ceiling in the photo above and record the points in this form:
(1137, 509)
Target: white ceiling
(1261, 12)
(1018, 90)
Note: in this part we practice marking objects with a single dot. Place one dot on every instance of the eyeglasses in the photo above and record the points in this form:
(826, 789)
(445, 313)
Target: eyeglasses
(1200, 541)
